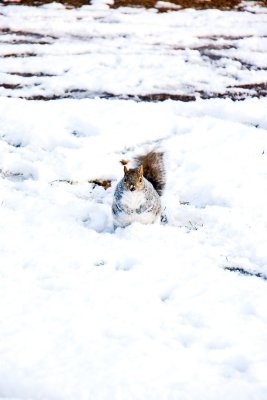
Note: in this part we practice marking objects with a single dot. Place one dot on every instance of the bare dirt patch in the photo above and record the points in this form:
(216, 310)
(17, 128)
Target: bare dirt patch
(197, 4)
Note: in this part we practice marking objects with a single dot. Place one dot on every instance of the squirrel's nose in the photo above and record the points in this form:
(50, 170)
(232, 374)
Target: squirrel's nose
(132, 188)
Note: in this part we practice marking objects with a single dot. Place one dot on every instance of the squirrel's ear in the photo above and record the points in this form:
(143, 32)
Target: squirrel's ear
(125, 169)
(141, 169)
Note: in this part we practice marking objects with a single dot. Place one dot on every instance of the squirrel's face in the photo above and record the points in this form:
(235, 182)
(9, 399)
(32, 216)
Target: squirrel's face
(133, 178)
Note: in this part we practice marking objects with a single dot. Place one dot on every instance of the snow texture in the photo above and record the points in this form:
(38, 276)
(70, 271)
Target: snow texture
(149, 312)
(94, 50)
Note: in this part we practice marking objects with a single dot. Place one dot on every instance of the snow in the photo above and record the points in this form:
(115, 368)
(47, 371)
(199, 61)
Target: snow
(167, 4)
(167, 52)
(149, 312)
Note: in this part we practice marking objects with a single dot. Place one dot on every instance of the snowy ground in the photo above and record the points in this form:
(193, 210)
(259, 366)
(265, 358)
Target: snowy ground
(146, 312)
(51, 52)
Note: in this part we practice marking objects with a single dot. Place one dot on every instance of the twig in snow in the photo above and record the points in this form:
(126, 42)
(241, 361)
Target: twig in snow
(105, 183)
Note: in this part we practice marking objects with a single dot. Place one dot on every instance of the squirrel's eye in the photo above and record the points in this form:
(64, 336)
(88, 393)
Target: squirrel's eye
(140, 179)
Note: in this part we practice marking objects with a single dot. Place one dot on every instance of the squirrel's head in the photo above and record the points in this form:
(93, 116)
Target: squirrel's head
(133, 178)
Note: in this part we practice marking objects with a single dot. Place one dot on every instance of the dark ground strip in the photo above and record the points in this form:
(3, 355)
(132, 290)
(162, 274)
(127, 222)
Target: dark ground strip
(10, 85)
(253, 86)
(243, 271)
(34, 35)
(31, 75)
(261, 91)
(84, 94)
(197, 4)
(16, 55)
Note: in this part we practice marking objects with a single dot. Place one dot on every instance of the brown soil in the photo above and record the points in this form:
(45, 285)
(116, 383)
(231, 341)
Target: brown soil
(197, 4)
(70, 3)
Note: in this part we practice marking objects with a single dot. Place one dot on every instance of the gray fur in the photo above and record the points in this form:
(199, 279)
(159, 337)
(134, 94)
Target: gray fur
(148, 211)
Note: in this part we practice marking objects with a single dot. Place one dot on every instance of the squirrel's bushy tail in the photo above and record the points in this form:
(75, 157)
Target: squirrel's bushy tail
(154, 170)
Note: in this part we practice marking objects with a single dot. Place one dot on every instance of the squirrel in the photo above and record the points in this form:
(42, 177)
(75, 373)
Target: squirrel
(137, 195)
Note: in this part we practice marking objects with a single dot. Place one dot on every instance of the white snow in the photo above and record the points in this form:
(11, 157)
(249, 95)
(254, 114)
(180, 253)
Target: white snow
(130, 51)
(147, 312)
(167, 5)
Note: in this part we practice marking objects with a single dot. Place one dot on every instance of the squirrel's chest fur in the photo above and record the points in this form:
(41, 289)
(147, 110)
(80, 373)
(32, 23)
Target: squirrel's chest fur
(138, 206)
(133, 200)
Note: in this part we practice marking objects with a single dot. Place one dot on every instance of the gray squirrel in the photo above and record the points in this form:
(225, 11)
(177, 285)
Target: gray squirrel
(137, 195)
